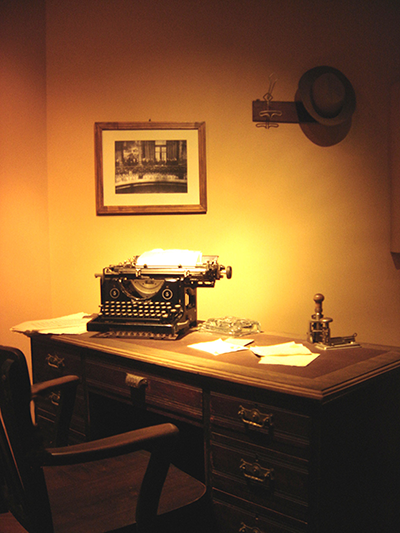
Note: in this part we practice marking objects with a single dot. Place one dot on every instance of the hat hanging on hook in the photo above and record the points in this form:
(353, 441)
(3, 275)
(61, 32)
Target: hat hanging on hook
(327, 95)
(324, 104)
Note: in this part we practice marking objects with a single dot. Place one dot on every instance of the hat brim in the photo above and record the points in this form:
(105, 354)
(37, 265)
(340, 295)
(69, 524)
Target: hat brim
(305, 94)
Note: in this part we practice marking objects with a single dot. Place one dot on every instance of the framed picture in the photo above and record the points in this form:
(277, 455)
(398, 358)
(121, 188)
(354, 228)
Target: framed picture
(147, 168)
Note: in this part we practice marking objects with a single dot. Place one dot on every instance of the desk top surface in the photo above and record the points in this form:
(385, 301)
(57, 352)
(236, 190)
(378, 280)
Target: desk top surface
(333, 373)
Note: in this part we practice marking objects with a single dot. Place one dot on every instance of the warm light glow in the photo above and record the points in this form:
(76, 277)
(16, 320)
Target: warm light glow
(291, 217)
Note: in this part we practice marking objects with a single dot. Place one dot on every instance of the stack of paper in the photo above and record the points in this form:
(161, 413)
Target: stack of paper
(220, 346)
(287, 353)
(66, 324)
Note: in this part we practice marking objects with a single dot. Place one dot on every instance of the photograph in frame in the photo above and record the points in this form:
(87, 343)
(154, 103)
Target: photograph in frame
(150, 168)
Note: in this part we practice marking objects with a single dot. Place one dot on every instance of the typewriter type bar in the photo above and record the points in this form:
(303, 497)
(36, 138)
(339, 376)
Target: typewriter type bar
(154, 301)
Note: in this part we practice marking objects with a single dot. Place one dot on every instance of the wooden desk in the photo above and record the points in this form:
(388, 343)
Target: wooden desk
(282, 449)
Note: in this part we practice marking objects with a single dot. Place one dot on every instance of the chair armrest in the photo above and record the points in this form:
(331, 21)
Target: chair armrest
(112, 446)
(43, 388)
(161, 439)
(67, 386)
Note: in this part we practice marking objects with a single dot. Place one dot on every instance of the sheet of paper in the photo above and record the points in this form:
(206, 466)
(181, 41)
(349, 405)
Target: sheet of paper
(288, 360)
(239, 341)
(160, 257)
(75, 323)
(287, 353)
(286, 348)
(220, 346)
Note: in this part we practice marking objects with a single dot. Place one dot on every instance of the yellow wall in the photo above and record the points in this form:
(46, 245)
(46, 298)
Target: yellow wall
(24, 236)
(291, 217)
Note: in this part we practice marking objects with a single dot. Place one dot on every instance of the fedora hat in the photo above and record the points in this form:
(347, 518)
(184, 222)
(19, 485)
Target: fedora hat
(327, 96)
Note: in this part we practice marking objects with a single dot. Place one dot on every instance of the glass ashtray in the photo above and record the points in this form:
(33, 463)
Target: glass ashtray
(230, 325)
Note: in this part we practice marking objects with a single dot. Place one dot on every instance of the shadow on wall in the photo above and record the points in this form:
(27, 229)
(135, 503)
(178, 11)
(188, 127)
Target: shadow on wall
(396, 259)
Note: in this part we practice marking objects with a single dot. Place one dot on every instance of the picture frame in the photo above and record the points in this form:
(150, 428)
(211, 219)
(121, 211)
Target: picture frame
(144, 168)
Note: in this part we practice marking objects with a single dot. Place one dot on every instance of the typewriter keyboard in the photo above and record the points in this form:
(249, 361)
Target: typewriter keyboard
(143, 310)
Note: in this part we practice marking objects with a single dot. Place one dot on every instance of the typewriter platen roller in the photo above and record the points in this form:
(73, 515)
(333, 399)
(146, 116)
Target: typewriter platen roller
(153, 300)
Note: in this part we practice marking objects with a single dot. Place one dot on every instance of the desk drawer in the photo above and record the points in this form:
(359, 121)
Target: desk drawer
(50, 362)
(258, 423)
(232, 515)
(269, 479)
(77, 430)
(145, 389)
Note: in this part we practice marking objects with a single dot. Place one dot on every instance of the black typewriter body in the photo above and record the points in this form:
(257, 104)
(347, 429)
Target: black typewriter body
(156, 302)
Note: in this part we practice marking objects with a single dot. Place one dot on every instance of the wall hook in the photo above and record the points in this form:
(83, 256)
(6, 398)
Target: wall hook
(268, 114)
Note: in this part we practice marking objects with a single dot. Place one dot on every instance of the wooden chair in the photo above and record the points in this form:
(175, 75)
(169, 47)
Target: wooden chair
(120, 483)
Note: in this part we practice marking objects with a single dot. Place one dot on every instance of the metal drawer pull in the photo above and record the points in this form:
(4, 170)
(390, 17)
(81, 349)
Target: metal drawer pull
(255, 472)
(54, 397)
(55, 361)
(136, 382)
(248, 529)
(253, 418)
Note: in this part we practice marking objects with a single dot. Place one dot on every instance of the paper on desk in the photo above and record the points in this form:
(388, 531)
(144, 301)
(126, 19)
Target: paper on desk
(75, 323)
(220, 346)
(287, 353)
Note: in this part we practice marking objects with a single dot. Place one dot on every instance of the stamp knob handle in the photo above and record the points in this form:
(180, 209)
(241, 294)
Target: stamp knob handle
(318, 299)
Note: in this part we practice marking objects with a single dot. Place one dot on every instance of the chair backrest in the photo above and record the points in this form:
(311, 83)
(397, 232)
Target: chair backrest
(21, 477)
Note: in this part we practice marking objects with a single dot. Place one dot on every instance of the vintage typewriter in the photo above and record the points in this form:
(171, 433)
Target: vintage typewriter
(155, 294)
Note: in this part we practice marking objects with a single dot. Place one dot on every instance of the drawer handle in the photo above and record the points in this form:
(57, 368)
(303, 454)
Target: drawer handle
(255, 419)
(255, 472)
(55, 398)
(247, 529)
(136, 382)
(55, 361)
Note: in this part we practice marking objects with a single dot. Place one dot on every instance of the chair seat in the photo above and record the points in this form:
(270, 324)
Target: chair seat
(8, 524)
(107, 483)
(99, 497)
